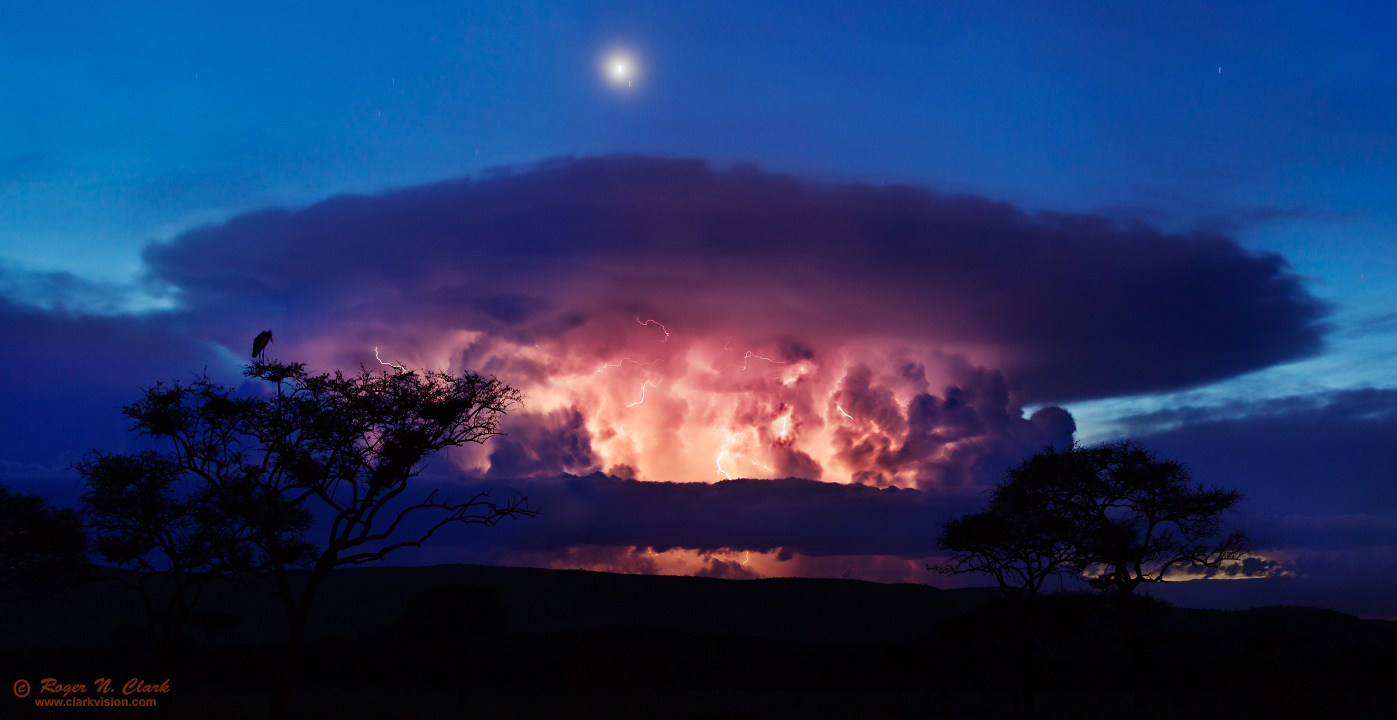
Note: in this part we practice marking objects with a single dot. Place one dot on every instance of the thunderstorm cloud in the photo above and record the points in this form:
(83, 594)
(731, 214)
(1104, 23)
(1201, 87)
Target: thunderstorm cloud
(716, 359)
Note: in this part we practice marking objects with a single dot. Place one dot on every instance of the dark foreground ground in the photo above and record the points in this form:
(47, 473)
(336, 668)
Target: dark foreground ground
(597, 645)
(697, 703)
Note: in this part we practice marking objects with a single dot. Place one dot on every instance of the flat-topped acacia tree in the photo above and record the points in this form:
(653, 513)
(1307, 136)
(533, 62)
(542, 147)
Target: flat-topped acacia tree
(1022, 539)
(331, 452)
(1114, 514)
(1143, 517)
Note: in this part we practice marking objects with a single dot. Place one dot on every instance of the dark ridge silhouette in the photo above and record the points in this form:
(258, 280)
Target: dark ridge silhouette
(548, 643)
(359, 600)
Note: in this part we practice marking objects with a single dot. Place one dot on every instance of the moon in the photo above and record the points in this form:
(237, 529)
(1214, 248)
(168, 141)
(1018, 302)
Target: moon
(620, 69)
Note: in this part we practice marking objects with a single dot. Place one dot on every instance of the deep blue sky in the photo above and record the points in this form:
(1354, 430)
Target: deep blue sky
(1272, 124)
(123, 125)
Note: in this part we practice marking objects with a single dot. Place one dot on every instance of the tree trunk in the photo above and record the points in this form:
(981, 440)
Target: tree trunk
(1135, 645)
(1025, 622)
(1137, 661)
(1025, 676)
(290, 666)
(1100, 663)
(295, 641)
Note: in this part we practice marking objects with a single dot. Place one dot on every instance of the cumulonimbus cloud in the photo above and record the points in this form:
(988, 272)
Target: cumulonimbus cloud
(708, 323)
(1068, 305)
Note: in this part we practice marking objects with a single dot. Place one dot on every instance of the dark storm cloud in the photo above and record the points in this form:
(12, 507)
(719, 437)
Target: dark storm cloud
(1069, 306)
(964, 436)
(1251, 567)
(1325, 454)
(1323, 533)
(800, 516)
(69, 374)
(542, 444)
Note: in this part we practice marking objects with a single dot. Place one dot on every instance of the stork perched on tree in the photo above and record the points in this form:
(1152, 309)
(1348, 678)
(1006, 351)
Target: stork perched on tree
(259, 344)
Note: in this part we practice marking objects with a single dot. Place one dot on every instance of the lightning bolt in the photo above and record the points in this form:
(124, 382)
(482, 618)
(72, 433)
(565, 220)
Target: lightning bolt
(399, 368)
(749, 558)
(622, 361)
(719, 461)
(649, 321)
(642, 393)
(751, 354)
(841, 412)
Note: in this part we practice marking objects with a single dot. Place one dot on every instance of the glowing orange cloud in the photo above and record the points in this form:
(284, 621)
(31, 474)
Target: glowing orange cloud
(675, 408)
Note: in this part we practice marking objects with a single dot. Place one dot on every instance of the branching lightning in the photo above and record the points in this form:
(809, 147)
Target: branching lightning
(649, 321)
(719, 461)
(621, 361)
(399, 368)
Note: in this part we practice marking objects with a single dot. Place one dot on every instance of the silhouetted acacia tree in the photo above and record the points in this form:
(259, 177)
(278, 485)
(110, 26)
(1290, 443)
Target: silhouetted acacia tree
(1142, 517)
(175, 540)
(1113, 513)
(42, 549)
(348, 447)
(1022, 540)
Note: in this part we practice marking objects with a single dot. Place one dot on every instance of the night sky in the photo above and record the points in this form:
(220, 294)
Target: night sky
(790, 289)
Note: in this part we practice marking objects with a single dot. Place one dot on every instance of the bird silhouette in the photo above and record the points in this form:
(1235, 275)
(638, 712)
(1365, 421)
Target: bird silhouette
(259, 345)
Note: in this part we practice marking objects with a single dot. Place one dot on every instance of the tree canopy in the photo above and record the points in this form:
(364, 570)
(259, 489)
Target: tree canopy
(174, 539)
(1114, 512)
(1144, 517)
(42, 548)
(333, 454)
(1015, 539)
